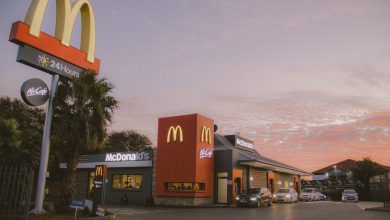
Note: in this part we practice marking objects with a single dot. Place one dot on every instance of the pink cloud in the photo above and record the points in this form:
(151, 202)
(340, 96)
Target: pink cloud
(312, 148)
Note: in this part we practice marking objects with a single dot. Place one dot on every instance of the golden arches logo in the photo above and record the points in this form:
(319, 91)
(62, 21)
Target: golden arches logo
(66, 16)
(100, 170)
(206, 135)
(174, 131)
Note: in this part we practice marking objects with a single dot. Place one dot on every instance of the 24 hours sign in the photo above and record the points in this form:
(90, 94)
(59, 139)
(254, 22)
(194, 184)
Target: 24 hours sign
(46, 62)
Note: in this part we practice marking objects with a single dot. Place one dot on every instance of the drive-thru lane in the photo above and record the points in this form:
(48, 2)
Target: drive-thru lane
(305, 210)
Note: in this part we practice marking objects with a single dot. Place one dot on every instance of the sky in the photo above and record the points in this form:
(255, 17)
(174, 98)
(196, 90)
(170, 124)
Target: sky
(306, 80)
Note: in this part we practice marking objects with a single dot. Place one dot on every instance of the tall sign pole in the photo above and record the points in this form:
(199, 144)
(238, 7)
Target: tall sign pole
(55, 56)
(45, 148)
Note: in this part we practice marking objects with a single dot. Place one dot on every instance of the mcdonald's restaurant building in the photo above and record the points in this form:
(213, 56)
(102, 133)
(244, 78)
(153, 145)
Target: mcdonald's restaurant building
(196, 166)
(192, 165)
(127, 172)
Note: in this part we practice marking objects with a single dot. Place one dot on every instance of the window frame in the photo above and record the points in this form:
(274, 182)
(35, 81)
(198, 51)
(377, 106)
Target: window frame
(202, 187)
(127, 189)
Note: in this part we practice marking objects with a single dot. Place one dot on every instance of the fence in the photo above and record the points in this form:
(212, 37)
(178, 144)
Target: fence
(386, 191)
(15, 191)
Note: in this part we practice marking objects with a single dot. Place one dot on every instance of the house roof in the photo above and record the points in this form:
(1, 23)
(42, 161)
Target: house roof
(254, 158)
(346, 165)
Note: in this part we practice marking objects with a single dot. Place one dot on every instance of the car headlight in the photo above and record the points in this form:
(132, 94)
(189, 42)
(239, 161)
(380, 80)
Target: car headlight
(253, 199)
(288, 196)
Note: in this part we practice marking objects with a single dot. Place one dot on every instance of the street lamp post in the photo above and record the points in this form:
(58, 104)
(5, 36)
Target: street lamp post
(335, 171)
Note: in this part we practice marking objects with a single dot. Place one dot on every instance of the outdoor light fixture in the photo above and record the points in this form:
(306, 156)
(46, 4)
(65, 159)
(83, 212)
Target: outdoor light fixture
(251, 178)
(280, 182)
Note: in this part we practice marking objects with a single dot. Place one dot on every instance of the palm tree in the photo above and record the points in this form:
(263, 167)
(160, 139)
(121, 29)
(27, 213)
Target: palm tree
(83, 109)
(365, 169)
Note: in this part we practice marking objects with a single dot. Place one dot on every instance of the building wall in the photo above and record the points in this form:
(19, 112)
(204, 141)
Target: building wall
(283, 180)
(180, 160)
(222, 163)
(245, 179)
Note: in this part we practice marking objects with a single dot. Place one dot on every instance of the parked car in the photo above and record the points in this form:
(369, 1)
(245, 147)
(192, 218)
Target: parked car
(310, 194)
(349, 195)
(323, 197)
(286, 195)
(255, 197)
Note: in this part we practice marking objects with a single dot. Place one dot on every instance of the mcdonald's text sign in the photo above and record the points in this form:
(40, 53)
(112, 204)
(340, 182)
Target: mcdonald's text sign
(29, 32)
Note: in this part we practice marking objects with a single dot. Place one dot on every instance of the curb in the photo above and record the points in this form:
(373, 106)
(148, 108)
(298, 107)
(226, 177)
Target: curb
(378, 209)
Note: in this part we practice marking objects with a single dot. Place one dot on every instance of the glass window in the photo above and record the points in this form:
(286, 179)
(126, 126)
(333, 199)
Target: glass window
(185, 186)
(126, 181)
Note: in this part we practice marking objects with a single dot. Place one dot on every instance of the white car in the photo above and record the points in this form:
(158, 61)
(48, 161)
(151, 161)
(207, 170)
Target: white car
(310, 194)
(349, 195)
(286, 195)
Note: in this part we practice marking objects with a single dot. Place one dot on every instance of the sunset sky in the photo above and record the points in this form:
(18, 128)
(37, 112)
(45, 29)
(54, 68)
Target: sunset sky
(307, 80)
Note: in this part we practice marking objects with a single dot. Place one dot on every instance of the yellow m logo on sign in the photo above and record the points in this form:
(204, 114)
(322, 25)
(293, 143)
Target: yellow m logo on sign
(66, 15)
(99, 170)
(206, 135)
(174, 131)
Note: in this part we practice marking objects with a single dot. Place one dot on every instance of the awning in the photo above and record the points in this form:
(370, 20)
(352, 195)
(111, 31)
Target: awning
(274, 167)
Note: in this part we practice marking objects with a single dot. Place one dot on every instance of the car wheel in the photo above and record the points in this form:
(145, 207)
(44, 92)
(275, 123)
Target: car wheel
(258, 204)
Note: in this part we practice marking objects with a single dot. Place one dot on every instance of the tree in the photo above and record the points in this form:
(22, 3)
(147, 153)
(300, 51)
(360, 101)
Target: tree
(9, 139)
(21, 132)
(364, 170)
(83, 109)
(127, 141)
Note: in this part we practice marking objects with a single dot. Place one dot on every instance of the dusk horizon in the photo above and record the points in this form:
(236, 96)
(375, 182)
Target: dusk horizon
(306, 81)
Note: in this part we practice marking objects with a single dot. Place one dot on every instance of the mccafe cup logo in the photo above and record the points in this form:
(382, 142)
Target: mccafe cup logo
(34, 92)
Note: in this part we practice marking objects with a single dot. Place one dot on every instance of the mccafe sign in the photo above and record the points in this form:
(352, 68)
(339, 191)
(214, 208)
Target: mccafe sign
(34, 92)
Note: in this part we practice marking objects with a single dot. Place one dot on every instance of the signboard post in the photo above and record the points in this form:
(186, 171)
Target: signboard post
(98, 186)
(45, 148)
(55, 56)
(77, 205)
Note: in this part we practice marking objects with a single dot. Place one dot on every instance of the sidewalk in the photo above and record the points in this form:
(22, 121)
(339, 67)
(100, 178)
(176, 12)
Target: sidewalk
(373, 206)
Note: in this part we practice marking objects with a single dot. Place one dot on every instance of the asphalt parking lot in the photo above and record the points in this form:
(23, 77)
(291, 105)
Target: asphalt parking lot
(302, 210)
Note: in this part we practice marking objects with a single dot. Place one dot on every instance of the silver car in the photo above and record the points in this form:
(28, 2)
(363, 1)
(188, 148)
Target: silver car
(310, 194)
(286, 195)
(349, 195)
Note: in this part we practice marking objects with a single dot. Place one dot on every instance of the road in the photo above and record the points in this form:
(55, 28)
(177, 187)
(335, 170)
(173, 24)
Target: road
(300, 211)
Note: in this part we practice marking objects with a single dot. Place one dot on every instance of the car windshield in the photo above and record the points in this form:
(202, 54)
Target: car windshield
(284, 191)
(349, 191)
(307, 190)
